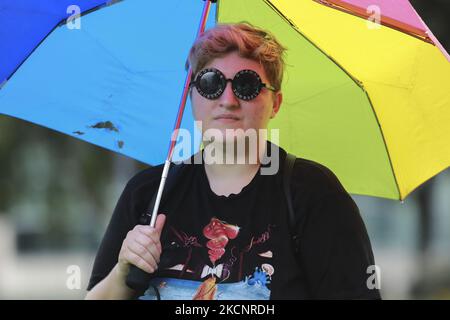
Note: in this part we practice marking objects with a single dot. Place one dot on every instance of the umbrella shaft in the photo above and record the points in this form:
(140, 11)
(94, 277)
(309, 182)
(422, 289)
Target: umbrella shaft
(182, 104)
(159, 194)
(200, 30)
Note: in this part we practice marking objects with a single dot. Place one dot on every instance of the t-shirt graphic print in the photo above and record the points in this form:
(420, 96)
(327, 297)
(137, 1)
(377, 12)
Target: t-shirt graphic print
(211, 266)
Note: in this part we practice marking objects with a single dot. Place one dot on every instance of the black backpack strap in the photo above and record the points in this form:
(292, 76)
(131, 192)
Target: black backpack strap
(296, 219)
(172, 177)
(293, 219)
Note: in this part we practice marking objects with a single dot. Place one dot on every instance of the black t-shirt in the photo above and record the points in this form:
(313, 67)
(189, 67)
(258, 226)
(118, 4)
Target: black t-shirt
(239, 247)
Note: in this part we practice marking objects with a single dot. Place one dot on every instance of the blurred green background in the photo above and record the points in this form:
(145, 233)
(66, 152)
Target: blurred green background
(57, 195)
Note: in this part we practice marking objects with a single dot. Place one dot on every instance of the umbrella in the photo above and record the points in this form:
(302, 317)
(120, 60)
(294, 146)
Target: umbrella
(370, 101)
(374, 101)
(114, 80)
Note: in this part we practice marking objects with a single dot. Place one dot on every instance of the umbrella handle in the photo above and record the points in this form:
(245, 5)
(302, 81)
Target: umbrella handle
(138, 279)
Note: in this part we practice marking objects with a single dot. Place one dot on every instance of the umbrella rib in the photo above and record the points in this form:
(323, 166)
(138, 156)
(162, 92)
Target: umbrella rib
(358, 82)
(294, 26)
(86, 12)
(59, 24)
(385, 146)
(385, 20)
(100, 45)
(32, 51)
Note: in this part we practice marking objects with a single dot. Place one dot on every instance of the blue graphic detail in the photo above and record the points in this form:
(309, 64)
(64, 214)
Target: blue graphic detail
(178, 289)
(260, 277)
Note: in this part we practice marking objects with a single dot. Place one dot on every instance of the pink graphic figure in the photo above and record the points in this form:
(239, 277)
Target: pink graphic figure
(219, 233)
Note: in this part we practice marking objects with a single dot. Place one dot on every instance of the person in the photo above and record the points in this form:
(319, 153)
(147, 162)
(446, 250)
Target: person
(224, 232)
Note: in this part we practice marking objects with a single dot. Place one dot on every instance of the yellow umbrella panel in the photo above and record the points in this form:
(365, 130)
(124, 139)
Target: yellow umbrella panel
(372, 104)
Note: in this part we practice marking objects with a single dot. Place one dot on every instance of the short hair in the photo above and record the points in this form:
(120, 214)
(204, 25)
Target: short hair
(249, 41)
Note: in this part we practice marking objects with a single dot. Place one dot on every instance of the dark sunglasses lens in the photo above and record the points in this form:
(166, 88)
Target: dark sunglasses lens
(246, 85)
(210, 83)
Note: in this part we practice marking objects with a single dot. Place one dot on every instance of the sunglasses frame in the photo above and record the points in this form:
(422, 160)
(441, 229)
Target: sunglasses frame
(224, 81)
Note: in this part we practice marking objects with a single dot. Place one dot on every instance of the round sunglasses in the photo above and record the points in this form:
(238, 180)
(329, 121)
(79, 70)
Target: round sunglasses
(246, 84)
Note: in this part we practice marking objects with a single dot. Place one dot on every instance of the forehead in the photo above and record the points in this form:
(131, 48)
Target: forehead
(231, 63)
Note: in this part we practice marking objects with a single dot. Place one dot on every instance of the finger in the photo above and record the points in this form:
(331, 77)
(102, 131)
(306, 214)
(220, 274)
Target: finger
(160, 221)
(159, 224)
(152, 246)
(144, 253)
(136, 260)
(151, 233)
(147, 230)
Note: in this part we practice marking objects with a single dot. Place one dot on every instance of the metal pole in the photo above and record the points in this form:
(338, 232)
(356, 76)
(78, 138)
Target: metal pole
(181, 107)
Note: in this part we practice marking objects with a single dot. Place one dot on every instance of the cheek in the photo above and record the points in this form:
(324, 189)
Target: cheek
(194, 111)
(259, 115)
(199, 103)
(197, 110)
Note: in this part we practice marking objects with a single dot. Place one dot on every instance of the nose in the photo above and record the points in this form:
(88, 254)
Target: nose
(227, 99)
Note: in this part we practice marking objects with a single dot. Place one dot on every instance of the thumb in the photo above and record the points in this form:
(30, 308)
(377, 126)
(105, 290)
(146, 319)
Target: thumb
(160, 221)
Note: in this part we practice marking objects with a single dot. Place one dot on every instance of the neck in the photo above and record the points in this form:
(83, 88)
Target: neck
(228, 161)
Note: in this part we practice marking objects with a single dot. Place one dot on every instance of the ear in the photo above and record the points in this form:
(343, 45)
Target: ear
(277, 100)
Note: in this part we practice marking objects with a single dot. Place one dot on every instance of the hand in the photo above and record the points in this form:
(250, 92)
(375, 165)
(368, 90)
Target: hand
(142, 247)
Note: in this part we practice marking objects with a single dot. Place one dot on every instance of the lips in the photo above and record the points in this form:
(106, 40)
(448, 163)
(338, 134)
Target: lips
(226, 116)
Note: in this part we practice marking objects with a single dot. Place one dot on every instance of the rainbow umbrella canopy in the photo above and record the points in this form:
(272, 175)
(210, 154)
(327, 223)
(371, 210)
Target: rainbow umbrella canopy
(366, 88)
